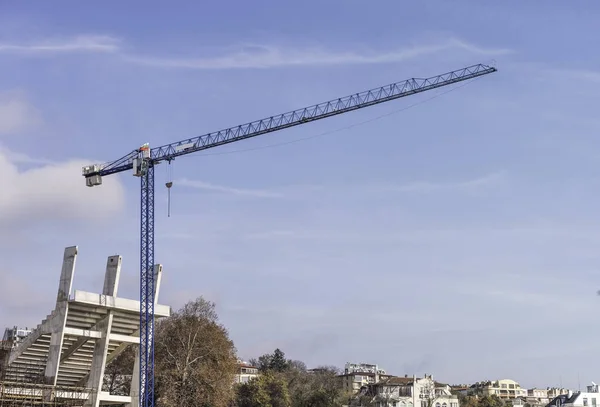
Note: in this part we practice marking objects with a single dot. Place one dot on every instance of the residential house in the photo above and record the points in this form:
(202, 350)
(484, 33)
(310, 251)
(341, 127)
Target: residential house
(589, 398)
(411, 392)
(504, 388)
(537, 397)
(463, 389)
(245, 372)
(554, 392)
(360, 375)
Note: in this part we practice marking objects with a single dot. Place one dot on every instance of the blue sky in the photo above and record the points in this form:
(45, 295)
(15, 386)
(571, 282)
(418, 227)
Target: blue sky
(457, 236)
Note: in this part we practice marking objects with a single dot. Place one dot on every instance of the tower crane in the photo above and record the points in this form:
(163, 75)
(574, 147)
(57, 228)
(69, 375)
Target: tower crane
(143, 160)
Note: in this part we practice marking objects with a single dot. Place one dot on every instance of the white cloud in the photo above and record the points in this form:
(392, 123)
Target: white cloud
(427, 187)
(50, 187)
(269, 56)
(57, 189)
(257, 193)
(81, 43)
(247, 56)
(16, 113)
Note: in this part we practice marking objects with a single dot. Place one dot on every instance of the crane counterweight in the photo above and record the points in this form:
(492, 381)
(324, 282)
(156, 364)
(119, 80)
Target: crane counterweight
(92, 175)
(143, 160)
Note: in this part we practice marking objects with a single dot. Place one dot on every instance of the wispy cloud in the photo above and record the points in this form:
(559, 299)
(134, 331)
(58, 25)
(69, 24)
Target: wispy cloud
(428, 187)
(257, 193)
(303, 192)
(247, 56)
(16, 157)
(591, 76)
(81, 43)
(269, 56)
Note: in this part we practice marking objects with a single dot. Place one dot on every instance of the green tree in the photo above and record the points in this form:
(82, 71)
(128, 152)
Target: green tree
(275, 361)
(490, 401)
(117, 375)
(278, 361)
(467, 401)
(278, 390)
(267, 390)
(252, 394)
(195, 359)
(317, 388)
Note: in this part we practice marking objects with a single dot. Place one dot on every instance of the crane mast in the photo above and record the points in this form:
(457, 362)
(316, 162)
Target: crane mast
(142, 161)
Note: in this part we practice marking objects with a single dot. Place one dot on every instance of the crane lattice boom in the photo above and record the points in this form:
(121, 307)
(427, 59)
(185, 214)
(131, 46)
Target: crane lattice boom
(285, 120)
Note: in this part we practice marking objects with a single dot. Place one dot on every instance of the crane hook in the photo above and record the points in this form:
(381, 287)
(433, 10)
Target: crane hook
(169, 184)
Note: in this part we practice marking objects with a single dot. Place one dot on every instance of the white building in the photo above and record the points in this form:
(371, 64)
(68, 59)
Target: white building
(13, 336)
(554, 392)
(245, 372)
(412, 392)
(359, 375)
(503, 388)
(589, 398)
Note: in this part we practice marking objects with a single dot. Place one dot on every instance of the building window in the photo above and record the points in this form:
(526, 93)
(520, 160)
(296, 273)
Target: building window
(437, 405)
(511, 386)
(503, 386)
(585, 403)
(594, 402)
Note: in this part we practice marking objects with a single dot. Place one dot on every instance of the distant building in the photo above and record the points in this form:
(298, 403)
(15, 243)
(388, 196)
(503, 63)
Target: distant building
(245, 372)
(590, 398)
(412, 392)
(554, 392)
(462, 389)
(359, 375)
(537, 397)
(13, 336)
(504, 388)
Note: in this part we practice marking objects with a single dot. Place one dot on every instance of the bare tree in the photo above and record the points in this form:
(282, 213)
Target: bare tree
(117, 376)
(195, 359)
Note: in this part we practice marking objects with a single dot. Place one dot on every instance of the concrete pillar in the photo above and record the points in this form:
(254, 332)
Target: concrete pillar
(135, 376)
(96, 377)
(57, 323)
(112, 276)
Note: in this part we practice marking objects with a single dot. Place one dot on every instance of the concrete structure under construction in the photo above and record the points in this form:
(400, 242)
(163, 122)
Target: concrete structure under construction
(62, 361)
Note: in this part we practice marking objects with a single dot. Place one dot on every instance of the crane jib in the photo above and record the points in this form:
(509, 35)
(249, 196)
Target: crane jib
(294, 118)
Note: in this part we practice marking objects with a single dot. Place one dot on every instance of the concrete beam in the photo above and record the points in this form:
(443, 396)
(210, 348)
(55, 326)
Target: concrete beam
(60, 315)
(86, 333)
(112, 275)
(96, 375)
(124, 339)
(107, 398)
(78, 344)
(116, 303)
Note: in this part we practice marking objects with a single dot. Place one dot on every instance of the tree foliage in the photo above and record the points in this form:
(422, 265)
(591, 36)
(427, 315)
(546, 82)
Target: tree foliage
(317, 388)
(273, 362)
(485, 401)
(195, 359)
(267, 390)
(117, 375)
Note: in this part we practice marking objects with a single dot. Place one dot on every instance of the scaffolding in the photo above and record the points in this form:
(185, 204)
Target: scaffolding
(22, 385)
